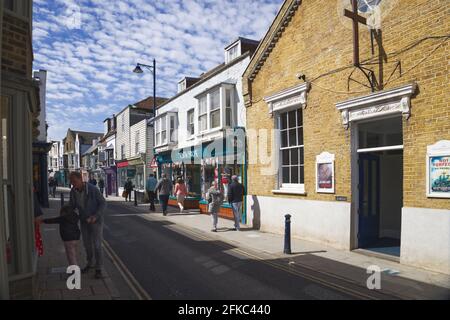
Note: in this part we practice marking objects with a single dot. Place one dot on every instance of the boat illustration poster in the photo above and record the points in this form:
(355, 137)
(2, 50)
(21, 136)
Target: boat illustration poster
(440, 175)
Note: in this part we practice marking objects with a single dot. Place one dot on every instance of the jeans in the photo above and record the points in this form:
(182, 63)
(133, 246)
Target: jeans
(92, 235)
(164, 198)
(237, 212)
(151, 198)
(214, 210)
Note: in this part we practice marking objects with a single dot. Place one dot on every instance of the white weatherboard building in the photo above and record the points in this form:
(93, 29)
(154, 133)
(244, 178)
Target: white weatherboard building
(132, 147)
(202, 112)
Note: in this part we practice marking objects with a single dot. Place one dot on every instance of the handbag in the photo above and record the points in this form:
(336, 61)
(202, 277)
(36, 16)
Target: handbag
(124, 194)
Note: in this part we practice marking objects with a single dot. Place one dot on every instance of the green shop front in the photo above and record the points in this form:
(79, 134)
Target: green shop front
(199, 166)
(133, 169)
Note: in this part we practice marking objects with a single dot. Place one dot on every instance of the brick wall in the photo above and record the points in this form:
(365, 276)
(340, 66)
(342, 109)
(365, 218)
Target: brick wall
(318, 40)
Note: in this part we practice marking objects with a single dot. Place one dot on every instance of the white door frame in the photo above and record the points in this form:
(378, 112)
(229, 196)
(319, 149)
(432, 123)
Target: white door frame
(354, 127)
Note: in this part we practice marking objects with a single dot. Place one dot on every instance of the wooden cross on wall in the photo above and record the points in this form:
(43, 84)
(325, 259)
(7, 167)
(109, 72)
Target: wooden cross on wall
(357, 19)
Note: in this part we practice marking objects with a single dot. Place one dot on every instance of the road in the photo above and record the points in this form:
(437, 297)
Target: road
(170, 262)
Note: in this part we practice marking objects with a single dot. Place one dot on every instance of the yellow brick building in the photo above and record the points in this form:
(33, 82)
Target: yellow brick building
(367, 127)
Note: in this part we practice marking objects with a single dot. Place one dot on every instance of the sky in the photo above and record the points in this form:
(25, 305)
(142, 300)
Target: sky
(90, 48)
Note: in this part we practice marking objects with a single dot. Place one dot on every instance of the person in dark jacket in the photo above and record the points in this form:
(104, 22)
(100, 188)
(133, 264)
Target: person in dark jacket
(164, 187)
(129, 187)
(69, 231)
(236, 193)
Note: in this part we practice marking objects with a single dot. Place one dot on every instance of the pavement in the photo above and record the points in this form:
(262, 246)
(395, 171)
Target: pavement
(51, 270)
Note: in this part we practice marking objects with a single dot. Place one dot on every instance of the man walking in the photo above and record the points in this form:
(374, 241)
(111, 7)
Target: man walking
(164, 187)
(236, 193)
(90, 204)
(150, 187)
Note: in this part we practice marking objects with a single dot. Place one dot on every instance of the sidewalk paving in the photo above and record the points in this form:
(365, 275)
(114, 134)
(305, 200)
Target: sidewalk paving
(271, 245)
(52, 268)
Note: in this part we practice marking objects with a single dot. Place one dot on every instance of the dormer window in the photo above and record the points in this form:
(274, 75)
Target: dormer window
(232, 53)
(182, 85)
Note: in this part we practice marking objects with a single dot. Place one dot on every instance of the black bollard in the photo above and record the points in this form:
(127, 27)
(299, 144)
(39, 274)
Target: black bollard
(287, 235)
(62, 199)
(135, 198)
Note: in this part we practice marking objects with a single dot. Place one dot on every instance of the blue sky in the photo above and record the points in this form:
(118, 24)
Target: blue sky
(90, 47)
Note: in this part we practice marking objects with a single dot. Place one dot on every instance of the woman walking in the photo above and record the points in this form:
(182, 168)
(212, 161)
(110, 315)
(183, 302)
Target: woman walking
(215, 200)
(180, 193)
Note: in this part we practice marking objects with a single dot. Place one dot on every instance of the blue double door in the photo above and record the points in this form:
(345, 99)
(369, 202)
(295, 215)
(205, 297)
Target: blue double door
(369, 199)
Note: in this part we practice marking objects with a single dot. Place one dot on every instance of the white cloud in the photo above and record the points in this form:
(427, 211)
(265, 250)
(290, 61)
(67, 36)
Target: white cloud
(90, 64)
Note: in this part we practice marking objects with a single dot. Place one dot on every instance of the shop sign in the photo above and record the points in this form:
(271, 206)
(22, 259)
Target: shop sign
(122, 164)
(438, 170)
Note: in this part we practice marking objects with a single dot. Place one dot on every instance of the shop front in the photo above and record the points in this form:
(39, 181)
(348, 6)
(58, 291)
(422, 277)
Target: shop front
(199, 167)
(110, 178)
(133, 170)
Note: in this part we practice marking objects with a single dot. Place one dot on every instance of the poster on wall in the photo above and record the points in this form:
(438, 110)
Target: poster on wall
(438, 173)
(325, 179)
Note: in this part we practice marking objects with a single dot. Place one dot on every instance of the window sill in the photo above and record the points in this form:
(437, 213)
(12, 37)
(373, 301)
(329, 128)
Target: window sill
(209, 131)
(287, 191)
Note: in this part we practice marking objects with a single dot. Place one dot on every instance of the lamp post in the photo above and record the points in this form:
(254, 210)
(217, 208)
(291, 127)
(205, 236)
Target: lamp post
(152, 69)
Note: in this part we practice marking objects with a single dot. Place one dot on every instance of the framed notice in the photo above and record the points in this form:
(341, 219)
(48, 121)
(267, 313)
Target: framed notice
(325, 180)
(438, 170)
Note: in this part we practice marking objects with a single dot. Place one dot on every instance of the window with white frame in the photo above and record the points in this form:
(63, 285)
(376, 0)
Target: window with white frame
(166, 129)
(123, 123)
(191, 122)
(291, 149)
(137, 137)
(181, 86)
(122, 152)
(172, 127)
(228, 107)
(203, 113)
(233, 52)
(157, 132)
(214, 109)
(217, 108)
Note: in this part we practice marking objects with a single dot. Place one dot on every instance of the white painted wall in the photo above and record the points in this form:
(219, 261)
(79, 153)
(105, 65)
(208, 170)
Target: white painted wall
(123, 133)
(318, 221)
(425, 239)
(140, 127)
